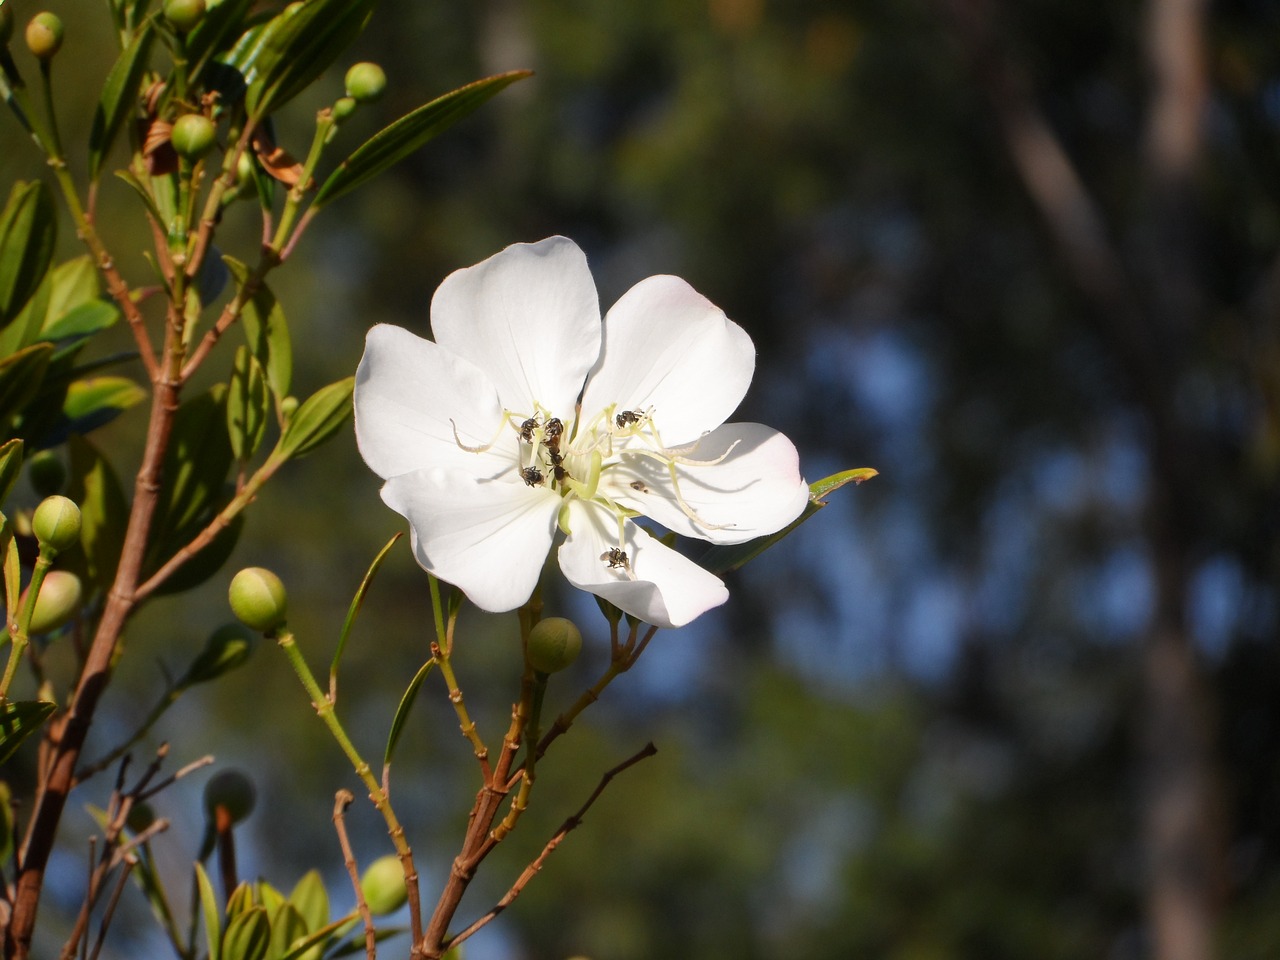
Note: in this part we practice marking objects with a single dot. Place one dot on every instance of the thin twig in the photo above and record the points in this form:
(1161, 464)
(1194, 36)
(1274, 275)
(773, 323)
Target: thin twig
(570, 824)
(342, 800)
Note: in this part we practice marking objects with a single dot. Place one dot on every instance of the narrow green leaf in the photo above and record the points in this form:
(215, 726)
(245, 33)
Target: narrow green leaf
(298, 45)
(12, 569)
(18, 720)
(718, 559)
(81, 321)
(314, 939)
(241, 900)
(269, 898)
(247, 936)
(21, 374)
(103, 511)
(402, 711)
(6, 822)
(287, 927)
(28, 228)
(210, 914)
(221, 22)
(357, 601)
(10, 466)
(311, 901)
(247, 405)
(266, 331)
(319, 417)
(96, 401)
(25, 328)
(147, 199)
(395, 142)
(120, 96)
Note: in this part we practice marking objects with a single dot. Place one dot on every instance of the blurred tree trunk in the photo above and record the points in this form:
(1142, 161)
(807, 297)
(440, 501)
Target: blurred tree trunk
(1147, 301)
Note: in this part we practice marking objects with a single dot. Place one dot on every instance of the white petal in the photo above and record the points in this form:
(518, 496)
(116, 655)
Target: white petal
(658, 586)
(529, 317)
(490, 538)
(755, 490)
(668, 347)
(409, 395)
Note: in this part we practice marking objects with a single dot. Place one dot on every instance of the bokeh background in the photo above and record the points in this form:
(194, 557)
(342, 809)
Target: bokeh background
(1016, 697)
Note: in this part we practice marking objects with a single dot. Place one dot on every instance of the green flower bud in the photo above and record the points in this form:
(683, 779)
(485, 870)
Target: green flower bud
(258, 598)
(554, 643)
(383, 886)
(193, 135)
(184, 15)
(343, 107)
(227, 648)
(45, 470)
(233, 792)
(288, 406)
(57, 602)
(365, 82)
(44, 35)
(56, 523)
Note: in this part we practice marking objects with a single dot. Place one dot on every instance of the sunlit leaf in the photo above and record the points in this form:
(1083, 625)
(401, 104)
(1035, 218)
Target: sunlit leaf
(266, 332)
(287, 926)
(406, 704)
(96, 401)
(247, 405)
(10, 466)
(12, 569)
(397, 141)
(247, 936)
(18, 720)
(209, 914)
(21, 374)
(120, 95)
(319, 417)
(83, 320)
(298, 45)
(358, 601)
(28, 228)
(311, 901)
(718, 559)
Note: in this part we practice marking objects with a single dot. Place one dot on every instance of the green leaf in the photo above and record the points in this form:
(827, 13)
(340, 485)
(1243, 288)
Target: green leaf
(287, 927)
(209, 913)
(83, 320)
(311, 900)
(247, 405)
(28, 228)
(10, 466)
(298, 45)
(730, 557)
(205, 563)
(147, 199)
(12, 567)
(265, 331)
(220, 23)
(270, 899)
(95, 401)
(25, 328)
(196, 464)
(395, 142)
(247, 936)
(21, 374)
(18, 720)
(6, 817)
(301, 949)
(75, 282)
(319, 417)
(120, 96)
(104, 511)
(358, 600)
(241, 900)
(402, 711)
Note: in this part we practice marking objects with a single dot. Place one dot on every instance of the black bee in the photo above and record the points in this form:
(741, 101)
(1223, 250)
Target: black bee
(551, 432)
(616, 558)
(639, 487)
(532, 476)
(627, 417)
(527, 428)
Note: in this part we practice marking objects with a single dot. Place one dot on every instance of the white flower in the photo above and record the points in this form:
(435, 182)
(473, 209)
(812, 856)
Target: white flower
(486, 449)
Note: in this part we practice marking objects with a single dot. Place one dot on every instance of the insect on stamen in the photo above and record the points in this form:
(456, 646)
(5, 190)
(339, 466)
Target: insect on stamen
(616, 559)
(532, 476)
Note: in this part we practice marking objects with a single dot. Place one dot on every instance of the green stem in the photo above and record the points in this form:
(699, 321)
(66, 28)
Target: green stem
(20, 629)
(324, 123)
(324, 709)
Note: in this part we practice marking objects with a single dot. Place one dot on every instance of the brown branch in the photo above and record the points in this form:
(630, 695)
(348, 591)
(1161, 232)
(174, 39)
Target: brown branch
(343, 800)
(570, 824)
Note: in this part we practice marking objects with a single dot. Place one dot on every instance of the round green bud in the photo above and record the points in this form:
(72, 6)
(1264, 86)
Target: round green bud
(554, 643)
(233, 792)
(227, 648)
(365, 82)
(258, 598)
(343, 107)
(6, 22)
(140, 817)
(193, 135)
(44, 35)
(46, 472)
(56, 523)
(288, 407)
(184, 15)
(57, 602)
(383, 886)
